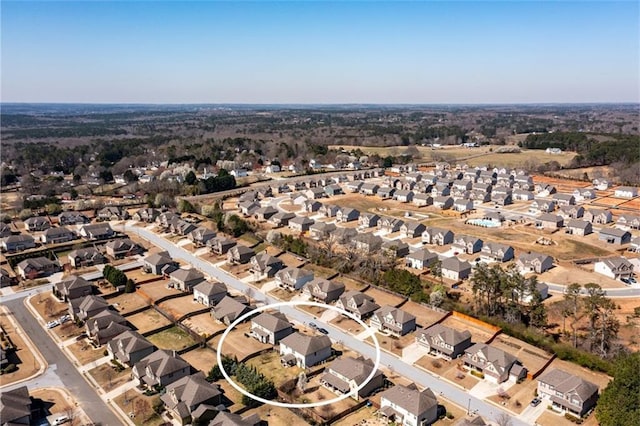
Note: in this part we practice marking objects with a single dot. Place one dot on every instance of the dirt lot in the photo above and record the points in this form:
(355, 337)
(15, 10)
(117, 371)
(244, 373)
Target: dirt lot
(269, 365)
(313, 310)
(173, 338)
(291, 260)
(282, 294)
(156, 290)
(276, 416)
(203, 324)
(395, 345)
(48, 310)
(141, 406)
(85, 352)
(531, 357)
(23, 358)
(425, 317)
(139, 275)
(518, 396)
(108, 377)
(350, 284)
(366, 416)
(202, 359)
(383, 298)
(478, 334)
(610, 202)
(581, 275)
(633, 204)
(552, 418)
(629, 324)
(319, 271)
(180, 306)
(238, 270)
(316, 392)
(236, 343)
(55, 400)
(127, 302)
(347, 324)
(147, 320)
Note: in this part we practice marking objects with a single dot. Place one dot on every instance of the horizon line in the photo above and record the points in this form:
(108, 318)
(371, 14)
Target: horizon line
(320, 103)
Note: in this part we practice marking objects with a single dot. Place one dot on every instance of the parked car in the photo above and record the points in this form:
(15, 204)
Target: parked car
(632, 280)
(627, 281)
(535, 402)
(61, 420)
(323, 330)
(52, 324)
(64, 318)
(313, 325)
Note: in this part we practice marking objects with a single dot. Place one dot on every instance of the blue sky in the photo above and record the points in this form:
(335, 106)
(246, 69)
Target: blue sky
(320, 52)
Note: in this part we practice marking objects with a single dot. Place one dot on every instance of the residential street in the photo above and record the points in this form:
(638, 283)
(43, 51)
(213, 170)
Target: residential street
(439, 386)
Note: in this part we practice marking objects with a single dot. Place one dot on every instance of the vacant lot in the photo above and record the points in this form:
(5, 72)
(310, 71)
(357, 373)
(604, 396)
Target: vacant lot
(347, 324)
(350, 284)
(147, 320)
(204, 324)
(320, 271)
(156, 290)
(282, 294)
(383, 298)
(291, 260)
(180, 306)
(566, 275)
(48, 306)
(478, 333)
(393, 344)
(633, 204)
(139, 275)
(238, 342)
(276, 416)
(238, 270)
(610, 202)
(315, 392)
(202, 359)
(127, 302)
(85, 352)
(531, 357)
(425, 316)
(108, 377)
(139, 408)
(173, 338)
(269, 365)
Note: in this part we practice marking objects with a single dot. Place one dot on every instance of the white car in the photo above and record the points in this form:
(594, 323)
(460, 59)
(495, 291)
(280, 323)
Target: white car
(64, 319)
(61, 420)
(52, 324)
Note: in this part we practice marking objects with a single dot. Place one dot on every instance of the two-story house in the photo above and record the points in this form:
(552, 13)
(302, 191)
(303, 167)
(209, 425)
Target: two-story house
(496, 252)
(129, 348)
(303, 350)
(186, 395)
(160, 368)
(293, 279)
(614, 267)
(455, 269)
(185, 279)
(270, 327)
(395, 321)
(209, 293)
(421, 259)
(467, 244)
(263, 264)
(57, 235)
(220, 245)
(408, 406)
(534, 262)
(412, 229)
(37, 223)
(229, 309)
(344, 375)
(495, 364)
(321, 230)
(444, 341)
(160, 264)
(36, 267)
(357, 303)
(240, 254)
(567, 392)
(437, 236)
(122, 247)
(323, 291)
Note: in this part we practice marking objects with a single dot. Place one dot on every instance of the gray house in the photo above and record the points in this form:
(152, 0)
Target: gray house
(73, 287)
(421, 259)
(322, 290)
(347, 214)
(303, 350)
(16, 243)
(579, 227)
(265, 264)
(567, 392)
(367, 243)
(239, 254)
(293, 278)
(344, 375)
(598, 216)
(185, 279)
(395, 248)
(412, 229)
(300, 223)
(390, 224)
(444, 341)
(321, 230)
(220, 245)
(467, 244)
(270, 327)
(455, 269)
(209, 293)
(549, 221)
(72, 218)
(160, 263)
(407, 406)
(497, 365)
(368, 220)
(160, 368)
(37, 223)
(496, 252)
(281, 219)
(229, 309)
(357, 303)
(393, 320)
(85, 257)
(186, 397)
(534, 262)
(57, 235)
(437, 236)
(614, 236)
(422, 199)
(443, 202)
(129, 347)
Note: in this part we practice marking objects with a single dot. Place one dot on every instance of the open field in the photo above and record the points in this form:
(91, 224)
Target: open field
(127, 302)
(269, 365)
(157, 290)
(85, 352)
(108, 377)
(238, 342)
(610, 202)
(531, 357)
(629, 324)
(631, 204)
(180, 306)
(202, 359)
(478, 333)
(147, 320)
(425, 317)
(383, 298)
(393, 344)
(139, 408)
(203, 324)
(173, 338)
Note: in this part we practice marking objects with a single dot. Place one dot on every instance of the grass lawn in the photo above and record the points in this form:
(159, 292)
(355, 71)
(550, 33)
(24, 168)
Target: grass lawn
(108, 377)
(23, 358)
(269, 365)
(173, 338)
(238, 343)
(85, 352)
(147, 320)
(141, 406)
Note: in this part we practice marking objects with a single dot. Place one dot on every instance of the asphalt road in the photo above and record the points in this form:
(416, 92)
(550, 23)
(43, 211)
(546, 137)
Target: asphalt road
(71, 378)
(440, 387)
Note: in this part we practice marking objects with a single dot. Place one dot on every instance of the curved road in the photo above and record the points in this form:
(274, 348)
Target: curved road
(71, 378)
(447, 390)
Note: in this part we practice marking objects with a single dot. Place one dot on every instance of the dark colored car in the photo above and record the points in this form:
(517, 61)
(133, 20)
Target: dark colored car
(535, 402)
(323, 330)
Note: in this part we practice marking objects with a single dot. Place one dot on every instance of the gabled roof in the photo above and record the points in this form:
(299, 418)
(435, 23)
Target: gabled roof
(230, 309)
(356, 369)
(566, 382)
(161, 362)
(52, 232)
(455, 264)
(397, 314)
(302, 220)
(121, 244)
(617, 263)
(499, 358)
(209, 288)
(190, 391)
(229, 419)
(304, 344)
(91, 302)
(580, 224)
(132, 341)
(614, 232)
(14, 404)
(273, 322)
(422, 255)
(410, 398)
(103, 319)
(186, 275)
(449, 335)
(156, 259)
(36, 263)
(325, 286)
(73, 282)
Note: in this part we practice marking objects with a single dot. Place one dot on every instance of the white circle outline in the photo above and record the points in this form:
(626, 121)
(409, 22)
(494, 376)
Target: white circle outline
(295, 405)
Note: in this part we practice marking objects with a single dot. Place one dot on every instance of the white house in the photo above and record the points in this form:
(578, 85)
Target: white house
(615, 267)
